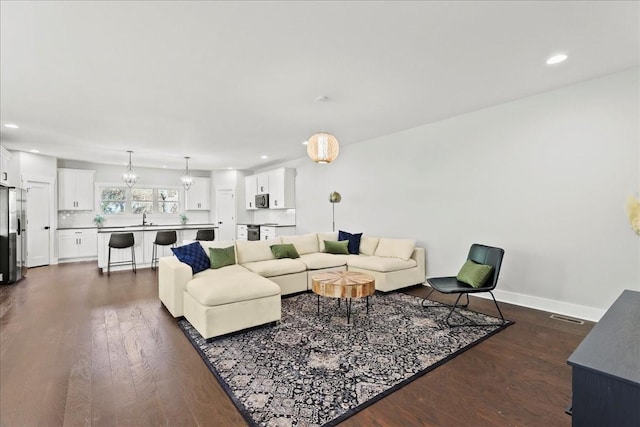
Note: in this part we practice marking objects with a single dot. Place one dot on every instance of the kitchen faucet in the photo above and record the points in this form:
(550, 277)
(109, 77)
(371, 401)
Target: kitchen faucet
(144, 218)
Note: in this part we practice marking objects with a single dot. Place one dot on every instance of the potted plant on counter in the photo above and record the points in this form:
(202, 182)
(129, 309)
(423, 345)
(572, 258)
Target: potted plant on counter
(183, 218)
(99, 220)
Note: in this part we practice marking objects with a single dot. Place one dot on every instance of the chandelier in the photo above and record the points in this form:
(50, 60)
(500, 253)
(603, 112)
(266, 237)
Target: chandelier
(186, 179)
(130, 177)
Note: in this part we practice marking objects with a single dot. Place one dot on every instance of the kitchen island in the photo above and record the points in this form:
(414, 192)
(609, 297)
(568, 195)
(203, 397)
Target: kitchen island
(144, 236)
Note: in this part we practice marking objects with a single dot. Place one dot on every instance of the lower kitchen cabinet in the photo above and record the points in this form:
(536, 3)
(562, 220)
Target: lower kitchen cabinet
(79, 244)
(241, 233)
(267, 233)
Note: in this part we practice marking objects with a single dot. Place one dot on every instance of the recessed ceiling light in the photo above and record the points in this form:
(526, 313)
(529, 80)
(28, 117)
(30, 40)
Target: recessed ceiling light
(556, 59)
(33, 150)
(11, 125)
(164, 166)
(305, 142)
(230, 168)
(264, 157)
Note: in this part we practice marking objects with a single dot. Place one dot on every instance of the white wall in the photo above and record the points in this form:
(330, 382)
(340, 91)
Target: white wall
(35, 167)
(34, 164)
(544, 177)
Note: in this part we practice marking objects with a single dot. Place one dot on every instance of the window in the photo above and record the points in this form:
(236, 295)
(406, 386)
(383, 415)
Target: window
(112, 200)
(168, 201)
(141, 200)
(120, 200)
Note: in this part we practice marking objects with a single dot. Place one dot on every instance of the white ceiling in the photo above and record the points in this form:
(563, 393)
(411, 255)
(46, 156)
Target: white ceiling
(227, 82)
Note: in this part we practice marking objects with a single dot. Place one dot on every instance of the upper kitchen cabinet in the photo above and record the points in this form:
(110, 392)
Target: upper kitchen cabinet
(4, 166)
(197, 197)
(250, 191)
(282, 188)
(75, 190)
(279, 184)
(263, 183)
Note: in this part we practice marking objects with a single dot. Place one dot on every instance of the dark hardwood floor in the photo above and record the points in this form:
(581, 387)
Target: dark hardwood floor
(80, 348)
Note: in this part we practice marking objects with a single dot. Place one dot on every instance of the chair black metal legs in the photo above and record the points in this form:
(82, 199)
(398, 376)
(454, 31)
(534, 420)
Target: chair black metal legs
(154, 255)
(448, 305)
(132, 262)
(453, 307)
(163, 238)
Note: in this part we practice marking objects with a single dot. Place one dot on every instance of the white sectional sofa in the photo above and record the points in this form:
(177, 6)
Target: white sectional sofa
(247, 294)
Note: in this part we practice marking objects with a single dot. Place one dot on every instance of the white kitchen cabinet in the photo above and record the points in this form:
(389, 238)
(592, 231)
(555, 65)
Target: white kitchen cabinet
(74, 245)
(250, 191)
(268, 232)
(197, 197)
(75, 190)
(278, 183)
(263, 183)
(241, 232)
(282, 188)
(4, 166)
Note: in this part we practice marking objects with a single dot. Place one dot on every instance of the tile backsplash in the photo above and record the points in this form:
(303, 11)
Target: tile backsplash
(276, 216)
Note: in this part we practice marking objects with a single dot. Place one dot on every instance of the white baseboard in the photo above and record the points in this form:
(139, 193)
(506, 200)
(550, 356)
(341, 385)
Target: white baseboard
(568, 309)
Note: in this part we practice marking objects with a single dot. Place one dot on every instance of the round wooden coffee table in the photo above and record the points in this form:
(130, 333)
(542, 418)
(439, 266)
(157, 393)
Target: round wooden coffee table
(343, 284)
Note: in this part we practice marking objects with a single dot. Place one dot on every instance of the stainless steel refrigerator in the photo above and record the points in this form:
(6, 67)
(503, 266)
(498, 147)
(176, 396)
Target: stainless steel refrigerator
(13, 236)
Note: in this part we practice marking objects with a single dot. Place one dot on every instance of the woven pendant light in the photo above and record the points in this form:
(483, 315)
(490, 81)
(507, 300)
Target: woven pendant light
(323, 147)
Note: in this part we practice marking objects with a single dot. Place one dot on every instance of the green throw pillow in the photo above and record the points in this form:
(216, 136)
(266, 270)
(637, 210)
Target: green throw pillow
(474, 274)
(284, 250)
(333, 247)
(221, 257)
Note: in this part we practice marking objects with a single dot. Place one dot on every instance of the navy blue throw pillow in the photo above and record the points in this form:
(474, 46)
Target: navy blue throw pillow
(193, 255)
(354, 241)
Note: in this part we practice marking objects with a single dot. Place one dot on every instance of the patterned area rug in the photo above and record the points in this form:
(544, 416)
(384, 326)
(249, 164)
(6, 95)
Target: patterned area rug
(317, 370)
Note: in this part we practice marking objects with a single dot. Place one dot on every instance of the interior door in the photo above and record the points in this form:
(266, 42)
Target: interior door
(38, 230)
(226, 213)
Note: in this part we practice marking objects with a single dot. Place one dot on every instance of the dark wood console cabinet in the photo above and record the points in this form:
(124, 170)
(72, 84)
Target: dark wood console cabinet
(606, 368)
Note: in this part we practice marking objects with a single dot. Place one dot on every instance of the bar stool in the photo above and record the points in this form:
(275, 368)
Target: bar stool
(206, 234)
(163, 238)
(121, 241)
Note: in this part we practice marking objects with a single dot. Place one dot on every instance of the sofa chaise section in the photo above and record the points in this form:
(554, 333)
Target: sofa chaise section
(230, 299)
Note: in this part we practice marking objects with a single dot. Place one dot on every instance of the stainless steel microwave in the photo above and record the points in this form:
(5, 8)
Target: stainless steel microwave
(262, 200)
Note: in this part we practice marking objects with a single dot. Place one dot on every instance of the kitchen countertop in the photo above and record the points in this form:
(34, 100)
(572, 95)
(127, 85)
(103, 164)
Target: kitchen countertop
(268, 224)
(153, 227)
